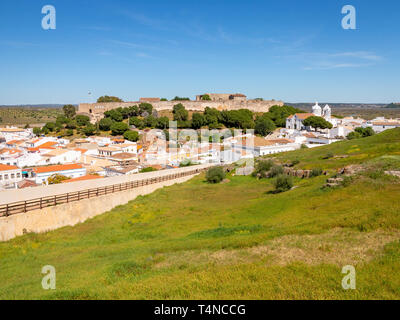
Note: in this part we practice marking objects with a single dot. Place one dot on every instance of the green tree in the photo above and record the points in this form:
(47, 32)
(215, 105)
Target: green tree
(118, 128)
(82, 120)
(131, 135)
(138, 123)
(264, 126)
(50, 126)
(205, 97)
(105, 124)
(109, 99)
(114, 115)
(162, 123)
(69, 111)
(37, 131)
(89, 129)
(62, 120)
(180, 113)
(57, 178)
(365, 132)
(198, 120)
(71, 124)
(180, 99)
(150, 122)
(354, 135)
(145, 107)
(278, 114)
(317, 122)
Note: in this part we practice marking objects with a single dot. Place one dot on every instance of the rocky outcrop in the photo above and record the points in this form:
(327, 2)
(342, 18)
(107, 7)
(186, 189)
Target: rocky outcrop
(333, 182)
(350, 170)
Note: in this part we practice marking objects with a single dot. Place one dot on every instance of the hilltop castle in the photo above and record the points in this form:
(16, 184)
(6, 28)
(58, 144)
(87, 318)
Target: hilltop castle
(229, 101)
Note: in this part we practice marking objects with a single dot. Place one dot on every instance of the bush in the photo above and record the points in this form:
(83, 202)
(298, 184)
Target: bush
(275, 171)
(328, 156)
(316, 172)
(294, 162)
(283, 183)
(263, 167)
(57, 178)
(354, 135)
(215, 175)
(148, 169)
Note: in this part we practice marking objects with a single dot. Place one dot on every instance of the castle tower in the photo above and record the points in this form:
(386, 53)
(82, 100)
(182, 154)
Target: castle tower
(317, 110)
(327, 112)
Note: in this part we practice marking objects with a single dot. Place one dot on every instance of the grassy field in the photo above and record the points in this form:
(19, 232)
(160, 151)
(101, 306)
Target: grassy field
(233, 240)
(23, 116)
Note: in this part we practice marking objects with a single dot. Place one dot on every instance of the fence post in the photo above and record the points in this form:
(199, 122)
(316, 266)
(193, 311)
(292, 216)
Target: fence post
(25, 206)
(7, 210)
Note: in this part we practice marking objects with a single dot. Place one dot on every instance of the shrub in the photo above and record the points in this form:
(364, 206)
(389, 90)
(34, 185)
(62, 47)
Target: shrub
(57, 178)
(316, 172)
(328, 156)
(294, 162)
(283, 183)
(263, 167)
(215, 175)
(354, 135)
(275, 171)
(148, 169)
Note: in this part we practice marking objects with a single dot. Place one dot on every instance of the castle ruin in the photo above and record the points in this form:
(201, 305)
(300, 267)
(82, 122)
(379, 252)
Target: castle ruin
(221, 102)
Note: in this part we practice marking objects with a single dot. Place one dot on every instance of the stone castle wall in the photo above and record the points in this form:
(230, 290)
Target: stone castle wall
(97, 109)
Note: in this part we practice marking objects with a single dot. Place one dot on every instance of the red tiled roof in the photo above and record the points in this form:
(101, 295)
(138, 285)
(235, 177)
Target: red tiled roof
(81, 150)
(5, 167)
(55, 168)
(83, 178)
(47, 145)
(302, 116)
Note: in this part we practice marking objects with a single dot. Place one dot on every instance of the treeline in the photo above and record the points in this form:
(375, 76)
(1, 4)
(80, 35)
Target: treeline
(118, 121)
(103, 99)
(143, 116)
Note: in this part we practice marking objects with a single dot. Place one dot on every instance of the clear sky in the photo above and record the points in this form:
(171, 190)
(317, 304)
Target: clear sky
(294, 50)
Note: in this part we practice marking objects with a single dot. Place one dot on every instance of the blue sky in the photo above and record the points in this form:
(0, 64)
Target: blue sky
(292, 50)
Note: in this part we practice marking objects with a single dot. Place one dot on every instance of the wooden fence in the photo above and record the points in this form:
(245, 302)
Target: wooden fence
(40, 203)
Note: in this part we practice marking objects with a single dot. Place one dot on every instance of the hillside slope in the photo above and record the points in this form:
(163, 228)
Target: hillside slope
(231, 241)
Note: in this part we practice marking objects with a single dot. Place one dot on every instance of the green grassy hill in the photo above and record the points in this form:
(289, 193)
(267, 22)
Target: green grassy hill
(233, 240)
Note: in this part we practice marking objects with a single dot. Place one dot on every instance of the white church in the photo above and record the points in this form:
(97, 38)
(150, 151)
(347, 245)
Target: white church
(295, 121)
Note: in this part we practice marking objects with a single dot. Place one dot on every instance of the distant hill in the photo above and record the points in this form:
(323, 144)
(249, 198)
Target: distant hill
(35, 106)
(393, 106)
(308, 105)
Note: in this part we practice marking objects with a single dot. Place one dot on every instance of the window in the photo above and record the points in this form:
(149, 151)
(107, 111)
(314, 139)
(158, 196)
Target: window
(6, 177)
(1, 177)
(18, 175)
(12, 175)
